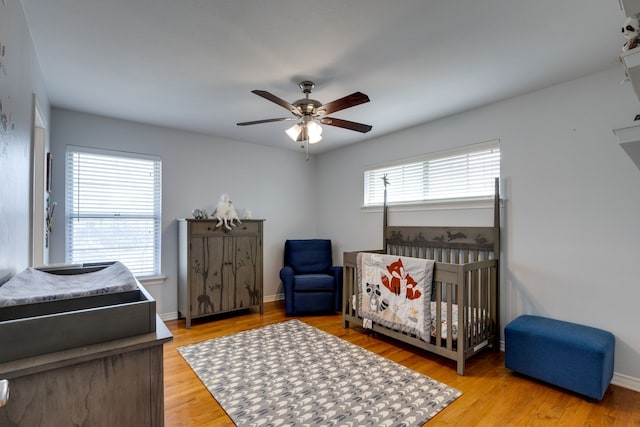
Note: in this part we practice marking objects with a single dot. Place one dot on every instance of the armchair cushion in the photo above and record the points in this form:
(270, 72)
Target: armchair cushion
(314, 282)
(308, 256)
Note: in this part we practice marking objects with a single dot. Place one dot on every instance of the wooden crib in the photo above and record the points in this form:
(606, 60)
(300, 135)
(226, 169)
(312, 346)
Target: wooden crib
(465, 277)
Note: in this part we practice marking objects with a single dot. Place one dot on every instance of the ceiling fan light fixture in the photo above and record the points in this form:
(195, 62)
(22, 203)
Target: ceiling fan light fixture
(294, 131)
(310, 131)
(314, 138)
(314, 128)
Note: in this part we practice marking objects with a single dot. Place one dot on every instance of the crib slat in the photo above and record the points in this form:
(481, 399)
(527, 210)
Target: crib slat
(485, 302)
(438, 315)
(450, 292)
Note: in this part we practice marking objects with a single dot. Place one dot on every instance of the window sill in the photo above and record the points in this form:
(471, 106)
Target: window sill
(151, 280)
(436, 205)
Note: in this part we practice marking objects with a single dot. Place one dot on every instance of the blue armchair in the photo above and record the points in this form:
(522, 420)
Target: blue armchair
(311, 284)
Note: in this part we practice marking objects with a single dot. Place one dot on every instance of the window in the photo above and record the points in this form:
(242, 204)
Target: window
(465, 173)
(113, 209)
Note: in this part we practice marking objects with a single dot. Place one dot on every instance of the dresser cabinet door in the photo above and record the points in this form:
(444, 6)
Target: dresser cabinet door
(245, 257)
(205, 277)
(225, 272)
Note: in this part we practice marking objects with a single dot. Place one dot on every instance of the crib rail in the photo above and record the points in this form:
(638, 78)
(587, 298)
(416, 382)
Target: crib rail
(471, 285)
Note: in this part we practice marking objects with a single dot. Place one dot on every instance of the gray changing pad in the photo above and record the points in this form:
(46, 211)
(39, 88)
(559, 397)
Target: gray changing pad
(33, 285)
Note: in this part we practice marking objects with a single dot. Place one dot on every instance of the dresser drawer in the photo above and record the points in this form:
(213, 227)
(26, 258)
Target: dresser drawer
(208, 228)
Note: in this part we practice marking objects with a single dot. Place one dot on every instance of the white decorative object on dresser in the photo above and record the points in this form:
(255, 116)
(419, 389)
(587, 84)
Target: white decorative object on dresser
(219, 269)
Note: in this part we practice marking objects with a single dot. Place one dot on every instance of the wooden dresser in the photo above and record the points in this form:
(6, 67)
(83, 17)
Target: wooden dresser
(219, 270)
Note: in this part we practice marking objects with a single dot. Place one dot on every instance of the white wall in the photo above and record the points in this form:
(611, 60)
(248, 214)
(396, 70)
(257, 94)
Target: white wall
(20, 79)
(277, 185)
(570, 232)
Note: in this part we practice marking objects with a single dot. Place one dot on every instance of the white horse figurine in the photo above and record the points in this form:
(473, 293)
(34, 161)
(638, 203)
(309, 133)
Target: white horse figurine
(225, 213)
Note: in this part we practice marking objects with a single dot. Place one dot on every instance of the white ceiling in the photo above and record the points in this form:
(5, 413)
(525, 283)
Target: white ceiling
(191, 64)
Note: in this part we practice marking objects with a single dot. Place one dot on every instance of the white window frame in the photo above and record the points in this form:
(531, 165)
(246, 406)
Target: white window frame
(150, 251)
(410, 176)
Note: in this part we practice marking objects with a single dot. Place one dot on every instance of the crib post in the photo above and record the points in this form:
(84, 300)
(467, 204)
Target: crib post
(461, 299)
(385, 214)
(496, 255)
(347, 291)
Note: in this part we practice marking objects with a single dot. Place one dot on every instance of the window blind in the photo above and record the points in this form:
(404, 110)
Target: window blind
(113, 209)
(464, 173)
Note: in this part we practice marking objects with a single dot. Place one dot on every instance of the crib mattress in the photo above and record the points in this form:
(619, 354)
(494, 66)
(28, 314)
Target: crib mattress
(32, 285)
(479, 315)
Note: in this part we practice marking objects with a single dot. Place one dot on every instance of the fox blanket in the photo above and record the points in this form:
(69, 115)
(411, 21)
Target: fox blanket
(395, 291)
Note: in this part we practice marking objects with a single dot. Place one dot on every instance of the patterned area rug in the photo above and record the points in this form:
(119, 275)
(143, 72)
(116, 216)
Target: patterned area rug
(291, 373)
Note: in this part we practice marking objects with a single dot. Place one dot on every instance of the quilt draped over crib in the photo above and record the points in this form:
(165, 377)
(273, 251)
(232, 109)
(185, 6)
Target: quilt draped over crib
(395, 291)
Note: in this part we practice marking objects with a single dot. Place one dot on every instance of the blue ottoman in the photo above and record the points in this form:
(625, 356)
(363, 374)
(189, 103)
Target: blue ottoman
(576, 357)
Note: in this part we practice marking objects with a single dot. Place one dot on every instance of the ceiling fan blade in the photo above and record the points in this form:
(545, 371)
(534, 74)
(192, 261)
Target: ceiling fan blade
(281, 102)
(352, 100)
(256, 122)
(346, 124)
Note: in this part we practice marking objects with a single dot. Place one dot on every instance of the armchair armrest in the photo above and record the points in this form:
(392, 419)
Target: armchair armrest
(337, 272)
(286, 274)
(288, 283)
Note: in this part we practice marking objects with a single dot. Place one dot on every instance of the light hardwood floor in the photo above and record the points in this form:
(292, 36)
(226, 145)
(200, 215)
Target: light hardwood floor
(492, 395)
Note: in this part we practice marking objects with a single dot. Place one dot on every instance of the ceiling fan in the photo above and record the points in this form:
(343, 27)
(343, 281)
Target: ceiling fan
(308, 112)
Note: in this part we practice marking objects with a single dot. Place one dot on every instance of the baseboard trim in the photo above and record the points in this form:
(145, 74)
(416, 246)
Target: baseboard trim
(272, 298)
(169, 316)
(626, 381)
